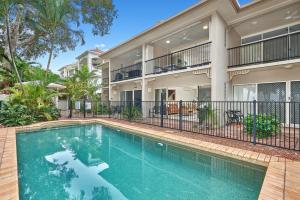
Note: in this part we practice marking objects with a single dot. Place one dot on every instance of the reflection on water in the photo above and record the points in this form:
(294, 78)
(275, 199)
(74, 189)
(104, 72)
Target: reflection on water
(85, 181)
(95, 162)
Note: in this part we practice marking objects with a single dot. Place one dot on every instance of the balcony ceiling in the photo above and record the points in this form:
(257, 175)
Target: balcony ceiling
(280, 17)
(131, 56)
(190, 35)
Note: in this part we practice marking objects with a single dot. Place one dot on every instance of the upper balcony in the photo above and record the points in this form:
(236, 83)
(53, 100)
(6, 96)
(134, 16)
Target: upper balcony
(268, 38)
(127, 66)
(186, 48)
(128, 72)
(191, 57)
(271, 50)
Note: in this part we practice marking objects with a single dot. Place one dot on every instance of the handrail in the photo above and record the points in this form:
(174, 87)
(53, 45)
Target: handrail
(169, 54)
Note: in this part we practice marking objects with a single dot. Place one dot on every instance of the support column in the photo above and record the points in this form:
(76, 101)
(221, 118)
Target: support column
(219, 75)
(109, 82)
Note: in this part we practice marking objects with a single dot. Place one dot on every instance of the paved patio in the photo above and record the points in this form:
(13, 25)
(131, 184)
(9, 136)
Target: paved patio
(282, 179)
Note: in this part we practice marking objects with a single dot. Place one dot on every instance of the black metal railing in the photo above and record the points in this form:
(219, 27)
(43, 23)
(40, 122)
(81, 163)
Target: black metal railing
(125, 73)
(268, 123)
(271, 50)
(192, 57)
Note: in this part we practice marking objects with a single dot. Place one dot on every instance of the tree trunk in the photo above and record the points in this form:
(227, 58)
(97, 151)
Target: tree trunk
(10, 50)
(49, 60)
(70, 107)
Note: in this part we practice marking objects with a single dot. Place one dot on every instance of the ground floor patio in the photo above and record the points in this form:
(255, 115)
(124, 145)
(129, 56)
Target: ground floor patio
(281, 181)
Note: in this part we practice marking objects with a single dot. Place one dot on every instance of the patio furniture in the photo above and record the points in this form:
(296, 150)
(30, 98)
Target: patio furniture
(156, 111)
(118, 77)
(173, 109)
(234, 116)
(134, 73)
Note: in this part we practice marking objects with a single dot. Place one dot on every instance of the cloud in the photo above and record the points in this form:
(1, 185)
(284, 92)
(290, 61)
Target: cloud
(100, 45)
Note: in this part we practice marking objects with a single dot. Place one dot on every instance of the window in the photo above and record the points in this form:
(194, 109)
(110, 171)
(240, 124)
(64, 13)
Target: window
(271, 91)
(126, 97)
(204, 94)
(295, 28)
(244, 92)
(171, 95)
(271, 34)
(275, 33)
(251, 39)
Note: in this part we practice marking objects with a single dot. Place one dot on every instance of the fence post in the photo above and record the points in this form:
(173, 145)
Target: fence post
(254, 122)
(109, 109)
(161, 111)
(84, 111)
(180, 115)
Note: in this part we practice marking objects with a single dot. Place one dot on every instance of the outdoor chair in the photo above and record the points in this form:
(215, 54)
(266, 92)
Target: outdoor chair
(118, 77)
(173, 109)
(234, 116)
(134, 73)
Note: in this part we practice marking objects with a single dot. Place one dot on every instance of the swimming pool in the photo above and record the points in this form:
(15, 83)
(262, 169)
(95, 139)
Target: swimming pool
(97, 162)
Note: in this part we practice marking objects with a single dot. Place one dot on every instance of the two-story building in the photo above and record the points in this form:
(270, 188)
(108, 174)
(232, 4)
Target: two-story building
(214, 50)
(91, 59)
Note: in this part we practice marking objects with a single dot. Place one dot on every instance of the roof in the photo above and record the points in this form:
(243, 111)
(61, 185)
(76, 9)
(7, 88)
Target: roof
(93, 51)
(69, 65)
(201, 3)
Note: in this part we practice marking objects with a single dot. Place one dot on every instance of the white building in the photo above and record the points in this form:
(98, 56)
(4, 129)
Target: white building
(89, 58)
(214, 50)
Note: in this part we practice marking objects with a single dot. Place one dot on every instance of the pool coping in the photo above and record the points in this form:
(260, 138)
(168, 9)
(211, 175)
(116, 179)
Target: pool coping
(282, 180)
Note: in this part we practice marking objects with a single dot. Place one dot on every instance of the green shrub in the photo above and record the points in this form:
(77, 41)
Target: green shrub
(103, 110)
(131, 113)
(266, 125)
(15, 115)
(19, 115)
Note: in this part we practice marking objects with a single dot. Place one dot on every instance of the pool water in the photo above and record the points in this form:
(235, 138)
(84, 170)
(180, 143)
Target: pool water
(96, 162)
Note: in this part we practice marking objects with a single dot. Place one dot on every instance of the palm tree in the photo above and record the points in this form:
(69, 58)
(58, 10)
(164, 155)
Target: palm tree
(5, 10)
(80, 85)
(52, 19)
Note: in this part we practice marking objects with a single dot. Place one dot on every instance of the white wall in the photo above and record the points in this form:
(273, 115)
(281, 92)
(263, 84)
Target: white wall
(218, 57)
(185, 85)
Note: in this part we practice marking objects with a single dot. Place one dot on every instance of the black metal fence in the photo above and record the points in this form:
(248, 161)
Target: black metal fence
(125, 73)
(191, 57)
(270, 50)
(268, 123)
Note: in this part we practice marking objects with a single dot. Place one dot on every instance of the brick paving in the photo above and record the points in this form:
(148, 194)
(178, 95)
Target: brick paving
(282, 179)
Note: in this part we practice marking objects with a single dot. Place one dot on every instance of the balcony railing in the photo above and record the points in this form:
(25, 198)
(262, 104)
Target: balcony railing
(192, 57)
(271, 50)
(125, 73)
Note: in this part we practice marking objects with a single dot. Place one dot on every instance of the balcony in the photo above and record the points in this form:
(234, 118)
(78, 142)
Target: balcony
(187, 58)
(126, 73)
(272, 50)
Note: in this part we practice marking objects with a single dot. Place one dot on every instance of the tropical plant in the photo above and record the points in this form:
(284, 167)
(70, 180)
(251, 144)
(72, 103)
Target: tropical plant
(9, 8)
(38, 99)
(266, 125)
(15, 115)
(36, 28)
(131, 113)
(207, 116)
(103, 109)
(81, 85)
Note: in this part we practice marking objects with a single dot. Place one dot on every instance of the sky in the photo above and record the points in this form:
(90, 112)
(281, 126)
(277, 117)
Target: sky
(134, 16)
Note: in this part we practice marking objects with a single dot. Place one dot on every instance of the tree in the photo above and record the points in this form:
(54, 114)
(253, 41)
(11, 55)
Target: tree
(79, 86)
(8, 8)
(52, 26)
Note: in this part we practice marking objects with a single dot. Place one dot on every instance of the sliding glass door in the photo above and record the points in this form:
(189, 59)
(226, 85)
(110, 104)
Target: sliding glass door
(295, 102)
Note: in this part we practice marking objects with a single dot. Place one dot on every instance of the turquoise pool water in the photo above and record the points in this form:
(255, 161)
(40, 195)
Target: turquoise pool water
(96, 162)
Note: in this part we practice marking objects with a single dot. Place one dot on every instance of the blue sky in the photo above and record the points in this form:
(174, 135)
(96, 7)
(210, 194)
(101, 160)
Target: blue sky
(134, 16)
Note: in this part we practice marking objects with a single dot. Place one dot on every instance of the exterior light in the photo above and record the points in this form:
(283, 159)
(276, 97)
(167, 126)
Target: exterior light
(205, 27)
(168, 41)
